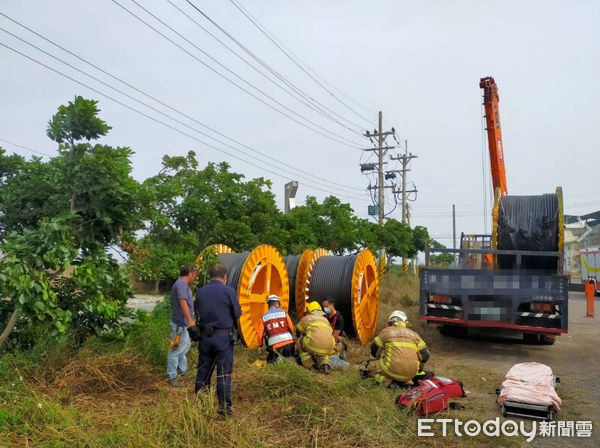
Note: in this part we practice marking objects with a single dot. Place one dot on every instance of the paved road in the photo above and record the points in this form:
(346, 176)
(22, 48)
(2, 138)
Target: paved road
(144, 302)
(575, 358)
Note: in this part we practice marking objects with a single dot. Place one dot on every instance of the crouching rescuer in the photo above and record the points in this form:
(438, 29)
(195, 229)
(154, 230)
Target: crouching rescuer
(315, 338)
(397, 353)
(276, 329)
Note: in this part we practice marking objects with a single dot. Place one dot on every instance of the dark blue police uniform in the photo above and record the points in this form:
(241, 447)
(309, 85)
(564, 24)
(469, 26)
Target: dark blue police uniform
(217, 308)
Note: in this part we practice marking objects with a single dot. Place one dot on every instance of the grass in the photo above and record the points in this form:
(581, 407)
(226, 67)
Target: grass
(112, 393)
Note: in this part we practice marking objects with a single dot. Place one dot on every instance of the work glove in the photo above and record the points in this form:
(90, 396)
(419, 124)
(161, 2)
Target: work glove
(194, 332)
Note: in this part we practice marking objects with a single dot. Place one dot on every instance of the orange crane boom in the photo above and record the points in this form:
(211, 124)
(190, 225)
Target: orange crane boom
(491, 102)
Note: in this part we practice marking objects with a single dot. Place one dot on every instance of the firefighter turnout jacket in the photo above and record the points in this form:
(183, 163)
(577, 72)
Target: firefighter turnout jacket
(400, 352)
(276, 326)
(318, 335)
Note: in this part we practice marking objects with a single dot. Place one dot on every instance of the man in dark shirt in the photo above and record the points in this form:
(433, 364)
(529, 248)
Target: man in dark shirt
(336, 320)
(218, 309)
(182, 310)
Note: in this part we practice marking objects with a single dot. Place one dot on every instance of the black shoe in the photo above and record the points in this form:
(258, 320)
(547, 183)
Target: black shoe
(398, 385)
(325, 368)
(226, 412)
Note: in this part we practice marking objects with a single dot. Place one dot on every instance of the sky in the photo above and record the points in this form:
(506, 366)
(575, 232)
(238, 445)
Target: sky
(301, 117)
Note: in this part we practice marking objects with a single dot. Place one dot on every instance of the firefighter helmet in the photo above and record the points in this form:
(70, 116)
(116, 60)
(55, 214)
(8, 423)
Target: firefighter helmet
(397, 316)
(312, 306)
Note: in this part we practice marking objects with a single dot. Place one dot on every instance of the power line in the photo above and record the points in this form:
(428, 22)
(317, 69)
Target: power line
(319, 108)
(26, 148)
(323, 131)
(150, 117)
(292, 57)
(164, 104)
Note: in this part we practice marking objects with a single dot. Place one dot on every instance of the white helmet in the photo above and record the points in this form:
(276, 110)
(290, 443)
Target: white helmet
(397, 316)
(273, 298)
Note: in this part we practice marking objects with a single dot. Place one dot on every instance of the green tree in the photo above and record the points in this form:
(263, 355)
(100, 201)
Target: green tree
(330, 224)
(187, 209)
(441, 259)
(65, 213)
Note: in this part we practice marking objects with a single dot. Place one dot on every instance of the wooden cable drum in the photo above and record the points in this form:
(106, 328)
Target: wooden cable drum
(255, 275)
(303, 277)
(353, 283)
(528, 223)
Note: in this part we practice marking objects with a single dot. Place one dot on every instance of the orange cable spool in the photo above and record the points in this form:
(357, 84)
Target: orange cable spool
(218, 248)
(353, 283)
(256, 275)
(304, 275)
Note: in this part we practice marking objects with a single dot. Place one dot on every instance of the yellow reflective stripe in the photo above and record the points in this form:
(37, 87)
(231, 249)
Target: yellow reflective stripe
(378, 342)
(317, 324)
(393, 375)
(421, 345)
(318, 351)
(587, 268)
(304, 356)
(299, 328)
(401, 344)
(379, 378)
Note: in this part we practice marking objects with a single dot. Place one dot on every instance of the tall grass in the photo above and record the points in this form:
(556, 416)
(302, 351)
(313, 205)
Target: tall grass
(112, 393)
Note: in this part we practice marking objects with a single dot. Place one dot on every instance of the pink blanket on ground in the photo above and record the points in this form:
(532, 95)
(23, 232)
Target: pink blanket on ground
(530, 382)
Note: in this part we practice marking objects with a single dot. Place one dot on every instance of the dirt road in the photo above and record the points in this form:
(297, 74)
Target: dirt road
(575, 358)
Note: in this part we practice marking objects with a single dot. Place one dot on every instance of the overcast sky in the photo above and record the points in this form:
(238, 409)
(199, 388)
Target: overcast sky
(417, 61)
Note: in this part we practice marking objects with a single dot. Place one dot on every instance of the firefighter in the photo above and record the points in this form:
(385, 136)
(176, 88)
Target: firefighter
(276, 329)
(397, 353)
(315, 338)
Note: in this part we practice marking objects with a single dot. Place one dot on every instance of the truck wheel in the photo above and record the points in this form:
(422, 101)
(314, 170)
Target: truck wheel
(547, 340)
(453, 331)
(531, 338)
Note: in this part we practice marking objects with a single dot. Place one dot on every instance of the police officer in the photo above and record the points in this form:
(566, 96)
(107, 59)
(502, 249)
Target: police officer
(218, 309)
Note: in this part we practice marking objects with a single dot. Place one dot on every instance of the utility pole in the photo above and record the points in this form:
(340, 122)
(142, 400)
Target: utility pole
(453, 227)
(381, 198)
(404, 160)
(382, 150)
(454, 232)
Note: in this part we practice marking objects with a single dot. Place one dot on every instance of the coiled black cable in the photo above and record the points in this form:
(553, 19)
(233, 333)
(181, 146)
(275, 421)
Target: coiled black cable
(234, 264)
(332, 280)
(291, 264)
(528, 223)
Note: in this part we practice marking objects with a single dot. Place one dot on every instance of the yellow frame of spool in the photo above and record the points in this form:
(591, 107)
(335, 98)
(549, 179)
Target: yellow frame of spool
(303, 276)
(218, 248)
(263, 273)
(382, 264)
(365, 296)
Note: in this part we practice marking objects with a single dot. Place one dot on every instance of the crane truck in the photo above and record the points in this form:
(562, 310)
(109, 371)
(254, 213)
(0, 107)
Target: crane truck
(512, 279)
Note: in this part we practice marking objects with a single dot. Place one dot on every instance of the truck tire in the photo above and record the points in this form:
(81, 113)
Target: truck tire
(531, 338)
(453, 331)
(547, 340)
